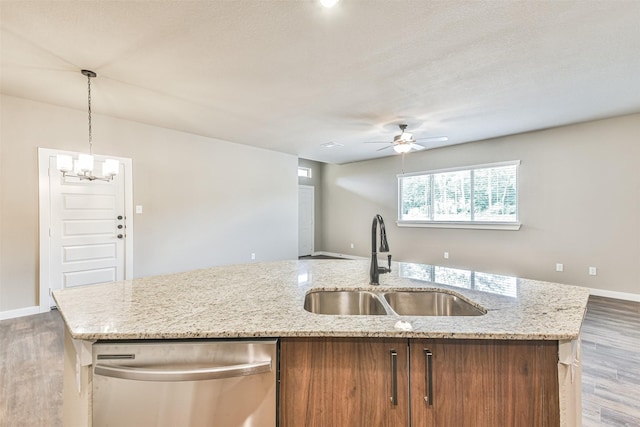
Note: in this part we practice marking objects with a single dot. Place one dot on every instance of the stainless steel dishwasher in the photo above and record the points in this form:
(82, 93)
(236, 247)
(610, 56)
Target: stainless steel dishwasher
(186, 383)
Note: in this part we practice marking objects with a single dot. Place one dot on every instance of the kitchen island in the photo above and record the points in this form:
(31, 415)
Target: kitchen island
(265, 300)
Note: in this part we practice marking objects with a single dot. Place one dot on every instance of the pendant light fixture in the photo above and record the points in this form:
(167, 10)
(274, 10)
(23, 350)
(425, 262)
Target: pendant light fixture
(82, 167)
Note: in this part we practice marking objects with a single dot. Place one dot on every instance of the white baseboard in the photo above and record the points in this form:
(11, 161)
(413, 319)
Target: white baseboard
(20, 312)
(615, 294)
(336, 255)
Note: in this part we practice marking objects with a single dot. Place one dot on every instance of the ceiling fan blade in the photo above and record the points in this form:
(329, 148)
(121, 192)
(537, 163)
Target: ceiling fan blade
(384, 148)
(434, 139)
(417, 147)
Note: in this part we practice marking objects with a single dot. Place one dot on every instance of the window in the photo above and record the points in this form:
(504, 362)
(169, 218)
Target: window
(482, 196)
(304, 172)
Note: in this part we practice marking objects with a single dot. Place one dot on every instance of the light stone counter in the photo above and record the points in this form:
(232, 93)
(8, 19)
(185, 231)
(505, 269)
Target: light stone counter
(266, 300)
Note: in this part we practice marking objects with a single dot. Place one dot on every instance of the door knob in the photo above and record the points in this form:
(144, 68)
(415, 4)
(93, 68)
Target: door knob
(119, 225)
(120, 236)
(119, 216)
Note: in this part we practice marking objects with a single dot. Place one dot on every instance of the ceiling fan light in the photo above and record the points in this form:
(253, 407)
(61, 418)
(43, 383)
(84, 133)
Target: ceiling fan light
(328, 3)
(402, 148)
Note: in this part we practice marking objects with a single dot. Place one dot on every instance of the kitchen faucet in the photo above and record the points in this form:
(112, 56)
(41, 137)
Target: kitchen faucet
(375, 271)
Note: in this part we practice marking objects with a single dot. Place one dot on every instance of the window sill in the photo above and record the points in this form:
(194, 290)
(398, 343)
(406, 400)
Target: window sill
(514, 226)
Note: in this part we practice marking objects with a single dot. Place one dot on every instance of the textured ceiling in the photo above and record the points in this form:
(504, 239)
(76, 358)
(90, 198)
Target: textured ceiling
(291, 75)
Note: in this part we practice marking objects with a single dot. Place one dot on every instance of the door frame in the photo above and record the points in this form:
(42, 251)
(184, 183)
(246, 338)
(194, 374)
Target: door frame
(44, 209)
(313, 216)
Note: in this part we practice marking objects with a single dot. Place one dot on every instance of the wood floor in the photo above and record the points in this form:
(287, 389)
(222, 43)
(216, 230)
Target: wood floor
(31, 367)
(611, 363)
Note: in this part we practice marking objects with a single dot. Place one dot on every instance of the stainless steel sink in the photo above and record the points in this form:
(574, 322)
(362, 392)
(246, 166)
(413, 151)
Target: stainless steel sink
(430, 303)
(343, 302)
(404, 303)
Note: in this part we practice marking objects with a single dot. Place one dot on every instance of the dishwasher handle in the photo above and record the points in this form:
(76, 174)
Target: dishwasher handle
(195, 374)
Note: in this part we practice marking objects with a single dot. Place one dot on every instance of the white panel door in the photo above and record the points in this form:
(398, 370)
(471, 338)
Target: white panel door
(305, 220)
(87, 230)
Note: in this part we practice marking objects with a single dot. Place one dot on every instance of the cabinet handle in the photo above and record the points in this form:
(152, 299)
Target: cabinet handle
(428, 356)
(394, 377)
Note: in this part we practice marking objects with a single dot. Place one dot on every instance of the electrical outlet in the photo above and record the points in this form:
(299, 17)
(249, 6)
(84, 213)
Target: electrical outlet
(138, 209)
(446, 255)
(253, 256)
(593, 271)
(352, 246)
(559, 267)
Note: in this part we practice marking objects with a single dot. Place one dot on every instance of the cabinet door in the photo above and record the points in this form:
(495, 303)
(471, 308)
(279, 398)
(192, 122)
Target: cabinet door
(484, 383)
(344, 382)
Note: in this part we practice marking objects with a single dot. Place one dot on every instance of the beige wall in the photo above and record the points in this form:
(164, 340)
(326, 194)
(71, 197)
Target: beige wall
(579, 205)
(206, 202)
(316, 182)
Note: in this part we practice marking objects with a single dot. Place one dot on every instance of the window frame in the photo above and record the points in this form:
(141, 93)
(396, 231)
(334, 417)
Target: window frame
(472, 224)
(307, 172)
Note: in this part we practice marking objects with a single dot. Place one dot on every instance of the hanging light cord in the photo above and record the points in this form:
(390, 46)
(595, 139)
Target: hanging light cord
(89, 104)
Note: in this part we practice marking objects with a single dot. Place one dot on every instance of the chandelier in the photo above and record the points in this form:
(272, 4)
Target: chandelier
(82, 167)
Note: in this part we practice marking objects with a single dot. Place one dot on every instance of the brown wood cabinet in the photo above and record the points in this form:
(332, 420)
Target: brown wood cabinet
(484, 383)
(457, 383)
(344, 382)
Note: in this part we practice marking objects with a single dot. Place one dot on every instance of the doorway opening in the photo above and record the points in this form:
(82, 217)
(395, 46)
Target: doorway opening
(306, 219)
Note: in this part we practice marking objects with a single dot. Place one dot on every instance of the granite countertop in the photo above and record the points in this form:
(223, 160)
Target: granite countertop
(266, 300)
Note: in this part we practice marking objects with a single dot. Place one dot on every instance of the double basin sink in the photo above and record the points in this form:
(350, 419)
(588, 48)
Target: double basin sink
(404, 303)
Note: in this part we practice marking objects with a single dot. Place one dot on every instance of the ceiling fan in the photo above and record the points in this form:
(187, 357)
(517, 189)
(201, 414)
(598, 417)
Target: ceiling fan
(404, 142)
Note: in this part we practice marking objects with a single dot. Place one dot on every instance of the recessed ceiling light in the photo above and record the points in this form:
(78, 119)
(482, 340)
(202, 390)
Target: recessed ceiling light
(328, 3)
(331, 145)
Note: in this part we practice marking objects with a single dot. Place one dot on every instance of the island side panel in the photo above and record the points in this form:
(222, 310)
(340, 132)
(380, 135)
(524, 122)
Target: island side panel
(76, 402)
(570, 382)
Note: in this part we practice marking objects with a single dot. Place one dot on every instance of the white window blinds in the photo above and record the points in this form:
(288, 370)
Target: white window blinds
(477, 194)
